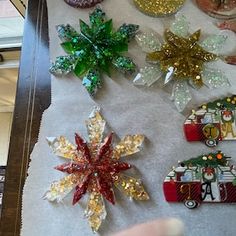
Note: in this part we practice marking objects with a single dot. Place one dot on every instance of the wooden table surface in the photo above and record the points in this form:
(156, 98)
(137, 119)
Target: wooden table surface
(32, 98)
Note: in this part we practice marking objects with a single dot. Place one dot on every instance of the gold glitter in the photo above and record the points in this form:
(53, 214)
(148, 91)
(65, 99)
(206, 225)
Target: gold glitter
(129, 145)
(62, 147)
(61, 188)
(84, 175)
(95, 126)
(159, 7)
(95, 211)
(184, 54)
(131, 187)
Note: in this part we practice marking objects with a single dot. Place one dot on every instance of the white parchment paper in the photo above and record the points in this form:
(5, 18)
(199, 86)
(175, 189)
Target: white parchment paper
(128, 110)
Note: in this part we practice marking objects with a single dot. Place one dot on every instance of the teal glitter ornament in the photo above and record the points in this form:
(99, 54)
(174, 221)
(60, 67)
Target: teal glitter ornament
(94, 50)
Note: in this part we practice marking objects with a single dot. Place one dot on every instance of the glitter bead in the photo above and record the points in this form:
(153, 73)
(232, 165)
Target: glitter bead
(159, 7)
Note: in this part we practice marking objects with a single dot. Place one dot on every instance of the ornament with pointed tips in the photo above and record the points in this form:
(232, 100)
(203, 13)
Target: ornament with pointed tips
(182, 59)
(94, 167)
(94, 50)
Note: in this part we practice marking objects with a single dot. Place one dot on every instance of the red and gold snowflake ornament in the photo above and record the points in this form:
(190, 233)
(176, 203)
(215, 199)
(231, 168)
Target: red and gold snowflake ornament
(95, 168)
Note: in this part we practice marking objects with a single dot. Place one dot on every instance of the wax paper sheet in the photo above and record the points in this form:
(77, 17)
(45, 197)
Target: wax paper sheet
(127, 109)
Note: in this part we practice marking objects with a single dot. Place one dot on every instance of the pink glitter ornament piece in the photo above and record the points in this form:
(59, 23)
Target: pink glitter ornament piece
(83, 3)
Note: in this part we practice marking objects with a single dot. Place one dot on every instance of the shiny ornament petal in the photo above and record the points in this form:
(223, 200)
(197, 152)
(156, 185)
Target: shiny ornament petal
(62, 147)
(93, 168)
(181, 95)
(63, 65)
(214, 78)
(92, 82)
(124, 64)
(128, 30)
(95, 127)
(159, 7)
(95, 211)
(214, 43)
(66, 32)
(60, 189)
(131, 187)
(129, 145)
(94, 50)
(148, 75)
(148, 41)
(169, 75)
(180, 26)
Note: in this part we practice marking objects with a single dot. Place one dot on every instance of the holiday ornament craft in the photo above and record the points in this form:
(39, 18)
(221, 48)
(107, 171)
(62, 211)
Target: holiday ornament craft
(182, 60)
(95, 168)
(204, 179)
(212, 122)
(94, 50)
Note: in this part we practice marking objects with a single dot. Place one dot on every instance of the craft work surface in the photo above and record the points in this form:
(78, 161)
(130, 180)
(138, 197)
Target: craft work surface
(128, 109)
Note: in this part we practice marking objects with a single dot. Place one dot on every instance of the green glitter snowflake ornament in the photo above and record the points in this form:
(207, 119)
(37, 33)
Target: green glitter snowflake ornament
(94, 50)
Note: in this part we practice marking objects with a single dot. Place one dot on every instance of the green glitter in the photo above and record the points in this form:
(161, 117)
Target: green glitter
(94, 50)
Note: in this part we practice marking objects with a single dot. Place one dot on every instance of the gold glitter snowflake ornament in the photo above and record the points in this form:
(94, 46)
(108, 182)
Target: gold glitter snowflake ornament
(94, 167)
(181, 59)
